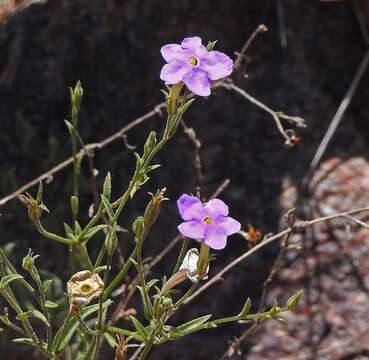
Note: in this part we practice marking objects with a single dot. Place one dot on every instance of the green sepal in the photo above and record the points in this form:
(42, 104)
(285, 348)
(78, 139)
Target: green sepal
(294, 300)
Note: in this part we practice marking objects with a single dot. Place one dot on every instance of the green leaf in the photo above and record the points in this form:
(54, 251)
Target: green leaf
(185, 106)
(78, 228)
(6, 280)
(246, 309)
(110, 339)
(66, 333)
(25, 341)
(107, 206)
(107, 186)
(90, 233)
(150, 144)
(68, 231)
(33, 314)
(5, 320)
(147, 305)
(46, 285)
(99, 269)
(128, 333)
(51, 305)
(69, 126)
(189, 327)
(139, 328)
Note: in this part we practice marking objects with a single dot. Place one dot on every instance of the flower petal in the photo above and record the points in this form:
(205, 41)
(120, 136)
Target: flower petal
(215, 237)
(191, 208)
(217, 65)
(228, 224)
(194, 46)
(193, 229)
(198, 82)
(216, 207)
(173, 72)
(172, 52)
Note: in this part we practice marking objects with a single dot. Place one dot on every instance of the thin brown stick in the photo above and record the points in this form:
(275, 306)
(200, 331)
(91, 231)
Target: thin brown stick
(226, 83)
(267, 240)
(289, 135)
(196, 160)
(89, 147)
(241, 55)
(234, 347)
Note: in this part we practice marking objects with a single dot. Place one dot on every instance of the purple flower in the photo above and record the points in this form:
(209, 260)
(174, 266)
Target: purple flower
(209, 222)
(191, 63)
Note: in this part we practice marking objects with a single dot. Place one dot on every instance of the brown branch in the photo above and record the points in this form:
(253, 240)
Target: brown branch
(226, 83)
(288, 134)
(267, 240)
(89, 147)
(236, 343)
(241, 55)
(196, 160)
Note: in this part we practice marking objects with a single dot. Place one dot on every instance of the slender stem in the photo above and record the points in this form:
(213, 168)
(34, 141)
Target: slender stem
(101, 317)
(189, 292)
(61, 332)
(49, 334)
(100, 257)
(145, 295)
(9, 297)
(85, 327)
(122, 273)
(181, 255)
(50, 235)
(148, 347)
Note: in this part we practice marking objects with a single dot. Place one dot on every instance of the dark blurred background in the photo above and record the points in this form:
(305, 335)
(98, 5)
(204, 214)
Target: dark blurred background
(113, 47)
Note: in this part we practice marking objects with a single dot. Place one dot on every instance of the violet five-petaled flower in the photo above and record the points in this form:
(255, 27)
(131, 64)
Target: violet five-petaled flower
(207, 222)
(193, 64)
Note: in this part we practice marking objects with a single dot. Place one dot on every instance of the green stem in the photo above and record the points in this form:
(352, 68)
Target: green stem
(61, 332)
(189, 292)
(9, 297)
(85, 327)
(45, 311)
(145, 295)
(100, 257)
(147, 348)
(122, 273)
(181, 255)
(101, 317)
(50, 235)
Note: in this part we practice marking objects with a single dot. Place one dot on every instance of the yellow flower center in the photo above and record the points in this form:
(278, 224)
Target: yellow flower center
(193, 61)
(86, 288)
(208, 220)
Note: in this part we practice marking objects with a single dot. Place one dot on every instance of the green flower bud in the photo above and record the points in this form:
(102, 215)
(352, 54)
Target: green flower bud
(153, 208)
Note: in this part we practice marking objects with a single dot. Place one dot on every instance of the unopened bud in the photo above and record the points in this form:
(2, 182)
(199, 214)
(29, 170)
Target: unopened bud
(153, 208)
